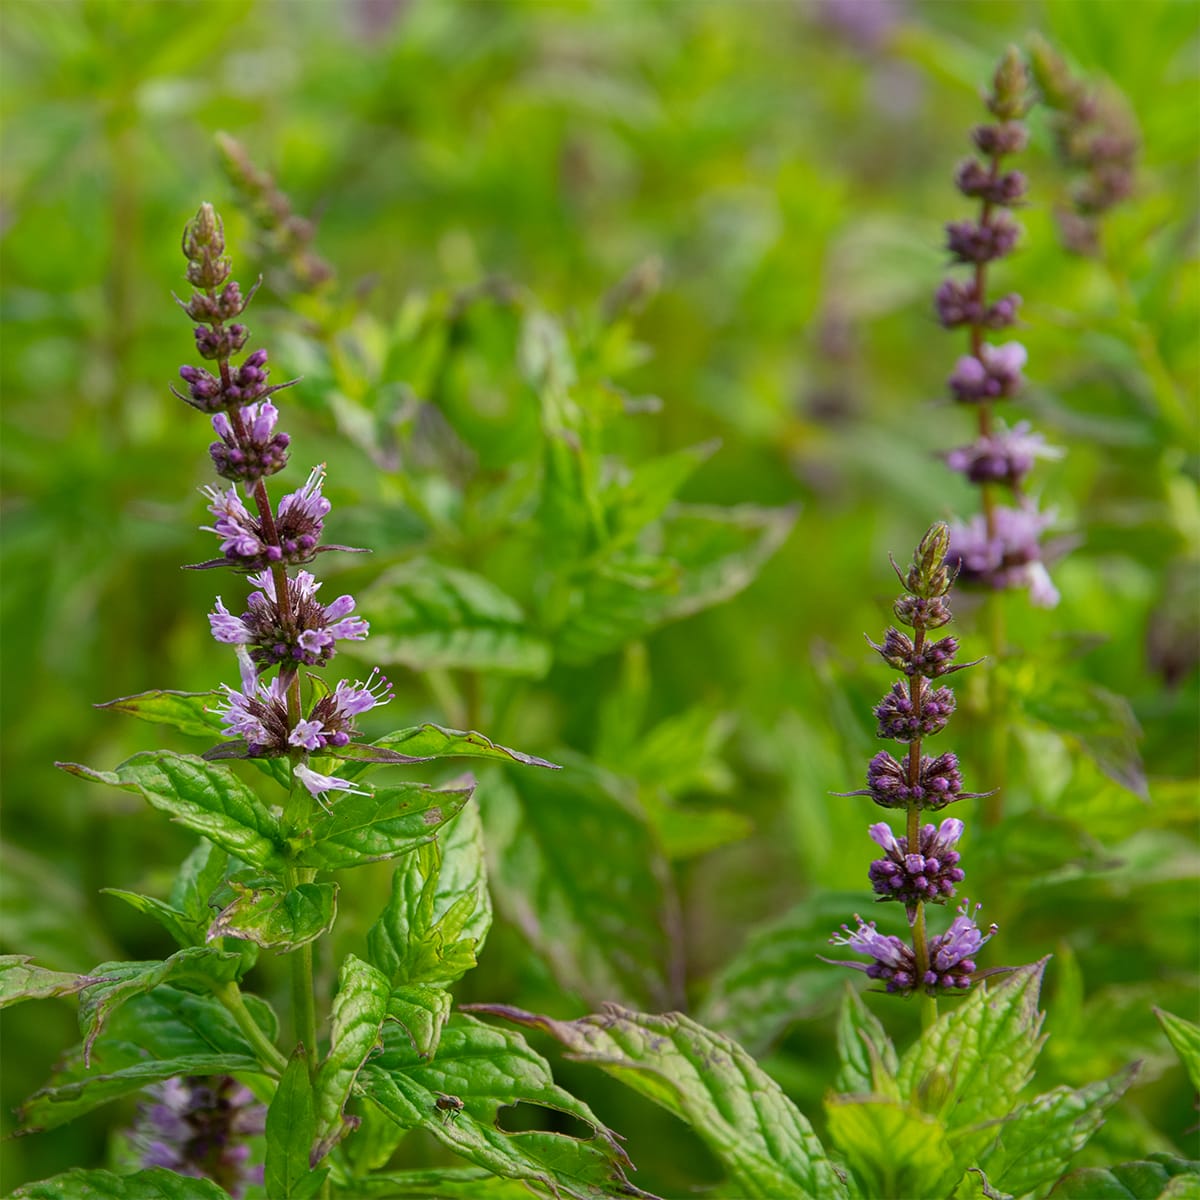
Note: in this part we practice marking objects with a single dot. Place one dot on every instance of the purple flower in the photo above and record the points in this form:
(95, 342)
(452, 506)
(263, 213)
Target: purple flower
(220, 342)
(258, 453)
(308, 638)
(939, 782)
(906, 718)
(996, 187)
(999, 140)
(299, 522)
(982, 241)
(892, 960)
(952, 955)
(934, 658)
(1005, 456)
(959, 304)
(996, 373)
(199, 1126)
(928, 874)
(319, 784)
(1010, 557)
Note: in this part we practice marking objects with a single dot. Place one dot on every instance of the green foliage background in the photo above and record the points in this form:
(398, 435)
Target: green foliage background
(484, 175)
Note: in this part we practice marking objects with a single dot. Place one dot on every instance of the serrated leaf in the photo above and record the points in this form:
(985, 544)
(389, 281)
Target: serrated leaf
(19, 980)
(421, 1012)
(189, 712)
(1099, 722)
(359, 1009)
(703, 557)
(867, 1056)
(893, 1148)
(971, 1064)
(117, 982)
(387, 823)
(487, 1069)
(1036, 1145)
(1185, 1037)
(426, 616)
(776, 978)
(441, 1183)
(703, 1078)
(157, 1183)
(974, 1185)
(204, 797)
(439, 912)
(604, 922)
(273, 916)
(291, 1131)
(1156, 1177)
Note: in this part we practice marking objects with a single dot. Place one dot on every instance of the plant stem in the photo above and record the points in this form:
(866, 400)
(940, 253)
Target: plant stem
(270, 1057)
(300, 963)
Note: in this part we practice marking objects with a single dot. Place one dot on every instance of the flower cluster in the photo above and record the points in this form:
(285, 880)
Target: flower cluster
(199, 1127)
(1002, 547)
(283, 625)
(921, 866)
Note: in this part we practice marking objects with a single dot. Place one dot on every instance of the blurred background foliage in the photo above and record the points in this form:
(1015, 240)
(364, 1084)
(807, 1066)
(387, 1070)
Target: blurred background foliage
(676, 258)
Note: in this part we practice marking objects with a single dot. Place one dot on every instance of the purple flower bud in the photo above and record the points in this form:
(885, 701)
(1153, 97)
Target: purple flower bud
(259, 453)
(958, 304)
(995, 374)
(917, 612)
(930, 874)
(996, 187)
(1003, 312)
(899, 652)
(939, 782)
(982, 241)
(905, 717)
(1005, 456)
(999, 140)
(220, 342)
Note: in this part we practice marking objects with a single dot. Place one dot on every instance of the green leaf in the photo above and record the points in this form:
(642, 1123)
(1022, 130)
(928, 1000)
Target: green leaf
(177, 924)
(425, 742)
(703, 1078)
(421, 1012)
(441, 1183)
(439, 913)
(202, 872)
(1098, 721)
(359, 1010)
(291, 1131)
(426, 616)
(1037, 1143)
(21, 981)
(1157, 1177)
(971, 1064)
(1185, 1037)
(189, 712)
(488, 1069)
(118, 982)
(703, 557)
(387, 823)
(892, 1148)
(868, 1058)
(157, 1183)
(205, 797)
(642, 495)
(974, 1185)
(271, 915)
(603, 921)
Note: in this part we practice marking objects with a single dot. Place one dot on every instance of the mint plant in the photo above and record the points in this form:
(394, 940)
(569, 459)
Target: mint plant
(261, 880)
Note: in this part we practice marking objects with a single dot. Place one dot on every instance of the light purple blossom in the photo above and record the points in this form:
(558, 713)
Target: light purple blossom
(259, 453)
(952, 954)
(929, 873)
(1005, 456)
(995, 374)
(319, 784)
(1011, 557)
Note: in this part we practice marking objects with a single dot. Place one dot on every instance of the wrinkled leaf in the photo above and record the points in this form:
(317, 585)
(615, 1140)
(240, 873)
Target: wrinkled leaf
(189, 712)
(1156, 1177)
(868, 1058)
(359, 1009)
(425, 616)
(442, 1183)
(157, 1183)
(20, 980)
(743, 1116)
(488, 1069)
(204, 797)
(425, 742)
(439, 912)
(387, 823)
(605, 922)
(421, 1012)
(291, 1131)
(271, 915)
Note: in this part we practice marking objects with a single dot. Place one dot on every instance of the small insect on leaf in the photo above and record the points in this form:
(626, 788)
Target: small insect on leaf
(448, 1106)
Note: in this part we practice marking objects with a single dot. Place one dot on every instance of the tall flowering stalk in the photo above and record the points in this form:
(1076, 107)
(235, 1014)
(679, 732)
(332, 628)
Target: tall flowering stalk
(921, 866)
(1000, 547)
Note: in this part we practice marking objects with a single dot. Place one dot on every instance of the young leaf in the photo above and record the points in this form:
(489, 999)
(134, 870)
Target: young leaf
(205, 797)
(971, 1064)
(868, 1058)
(421, 1012)
(1036, 1145)
(291, 1131)
(387, 823)
(1185, 1037)
(189, 712)
(974, 1185)
(21, 981)
(1156, 1177)
(487, 1069)
(359, 1009)
(604, 922)
(439, 912)
(156, 1183)
(892, 1148)
(118, 982)
(426, 616)
(761, 1138)
(274, 917)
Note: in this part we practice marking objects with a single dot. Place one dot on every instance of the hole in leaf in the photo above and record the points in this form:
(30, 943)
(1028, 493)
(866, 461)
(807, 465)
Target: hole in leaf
(526, 1117)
